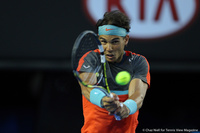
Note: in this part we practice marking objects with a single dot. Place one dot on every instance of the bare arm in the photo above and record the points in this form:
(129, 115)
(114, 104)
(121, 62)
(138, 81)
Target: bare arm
(137, 91)
(89, 78)
(110, 103)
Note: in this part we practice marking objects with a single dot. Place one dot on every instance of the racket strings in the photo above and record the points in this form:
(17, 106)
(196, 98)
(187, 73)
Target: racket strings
(93, 77)
(87, 44)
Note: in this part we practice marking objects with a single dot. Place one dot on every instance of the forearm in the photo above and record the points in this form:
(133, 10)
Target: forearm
(85, 91)
(88, 78)
(137, 91)
(138, 97)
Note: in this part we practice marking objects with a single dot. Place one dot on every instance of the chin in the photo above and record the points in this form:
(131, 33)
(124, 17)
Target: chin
(112, 61)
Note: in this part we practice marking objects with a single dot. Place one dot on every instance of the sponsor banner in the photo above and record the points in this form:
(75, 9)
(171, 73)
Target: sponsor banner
(150, 19)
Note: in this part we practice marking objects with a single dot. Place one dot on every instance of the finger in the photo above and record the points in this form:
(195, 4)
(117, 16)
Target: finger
(115, 96)
(124, 115)
(110, 104)
(114, 104)
(124, 112)
(111, 113)
(110, 108)
(107, 99)
(119, 107)
(118, 111)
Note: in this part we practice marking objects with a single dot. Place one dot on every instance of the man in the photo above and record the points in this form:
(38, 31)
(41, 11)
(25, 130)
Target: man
(127, 99)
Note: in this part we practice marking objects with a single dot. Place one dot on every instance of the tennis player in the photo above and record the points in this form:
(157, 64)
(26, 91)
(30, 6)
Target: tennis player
(127, 99)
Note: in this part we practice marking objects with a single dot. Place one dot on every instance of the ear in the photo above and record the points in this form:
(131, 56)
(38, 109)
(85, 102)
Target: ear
(126, 39)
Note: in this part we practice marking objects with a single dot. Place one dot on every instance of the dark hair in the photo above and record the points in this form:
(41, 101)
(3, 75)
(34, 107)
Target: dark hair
(116, 18)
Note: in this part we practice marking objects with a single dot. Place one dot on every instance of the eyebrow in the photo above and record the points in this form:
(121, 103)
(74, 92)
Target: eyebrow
(111, 40)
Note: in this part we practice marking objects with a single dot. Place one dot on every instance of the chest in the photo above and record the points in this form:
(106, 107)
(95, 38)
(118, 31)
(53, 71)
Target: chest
(113, 69)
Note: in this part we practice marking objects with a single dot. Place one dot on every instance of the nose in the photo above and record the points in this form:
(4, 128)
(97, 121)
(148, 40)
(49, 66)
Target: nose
(109, 47)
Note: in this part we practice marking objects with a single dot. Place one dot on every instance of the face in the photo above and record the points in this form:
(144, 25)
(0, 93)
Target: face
(113, 47)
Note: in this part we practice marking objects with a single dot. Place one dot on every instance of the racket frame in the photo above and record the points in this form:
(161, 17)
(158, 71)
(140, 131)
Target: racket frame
(103, 63)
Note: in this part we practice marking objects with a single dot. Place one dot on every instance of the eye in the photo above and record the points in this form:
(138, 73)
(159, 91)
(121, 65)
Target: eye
(115, 42)
(103, 42)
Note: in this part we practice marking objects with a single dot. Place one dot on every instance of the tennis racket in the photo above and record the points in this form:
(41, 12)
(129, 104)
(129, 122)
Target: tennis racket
(90, 74)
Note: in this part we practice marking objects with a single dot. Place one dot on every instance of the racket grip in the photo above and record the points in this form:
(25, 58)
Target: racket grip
(118, 118)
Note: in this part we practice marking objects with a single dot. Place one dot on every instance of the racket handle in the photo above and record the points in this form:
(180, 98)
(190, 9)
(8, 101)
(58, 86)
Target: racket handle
(118, 118)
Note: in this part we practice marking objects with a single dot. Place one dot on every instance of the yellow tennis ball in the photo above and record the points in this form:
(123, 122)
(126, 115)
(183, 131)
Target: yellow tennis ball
(123, 78)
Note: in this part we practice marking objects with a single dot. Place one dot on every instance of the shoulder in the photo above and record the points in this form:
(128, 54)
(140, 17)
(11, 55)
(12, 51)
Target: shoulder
(91, 58)
(141, 68)
(91, 54)
(135, 56)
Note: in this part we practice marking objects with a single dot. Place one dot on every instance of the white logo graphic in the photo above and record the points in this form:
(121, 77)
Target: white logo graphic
(150, 19)
(86, 67)
(130, 60)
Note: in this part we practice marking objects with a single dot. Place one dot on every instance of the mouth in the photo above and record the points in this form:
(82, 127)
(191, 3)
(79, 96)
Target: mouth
(110, 56)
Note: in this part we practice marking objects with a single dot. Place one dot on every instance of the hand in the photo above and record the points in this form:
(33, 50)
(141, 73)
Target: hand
(122, 111)
(111, 103)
